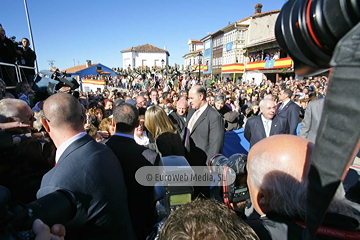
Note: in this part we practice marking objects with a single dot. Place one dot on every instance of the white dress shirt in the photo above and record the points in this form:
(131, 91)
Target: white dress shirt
(267, 125)
(61, 149)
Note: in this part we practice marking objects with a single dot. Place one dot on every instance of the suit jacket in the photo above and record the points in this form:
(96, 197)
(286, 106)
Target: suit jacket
(206, 138)
(179, 123)
(140, 198)
(311, 121)
(291, 111)
(255, 131)
(92, 173)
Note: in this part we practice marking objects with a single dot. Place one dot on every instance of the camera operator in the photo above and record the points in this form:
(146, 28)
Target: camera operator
(7, 55)
(27, 58)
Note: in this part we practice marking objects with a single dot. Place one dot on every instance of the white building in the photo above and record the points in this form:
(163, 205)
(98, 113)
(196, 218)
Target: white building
(145, 55)
(191, 59)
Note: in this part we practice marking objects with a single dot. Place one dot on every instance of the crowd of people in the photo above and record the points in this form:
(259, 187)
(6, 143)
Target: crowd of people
(91, 144)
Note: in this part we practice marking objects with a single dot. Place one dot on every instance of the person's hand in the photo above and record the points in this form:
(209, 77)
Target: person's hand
(101, 136)
(238, 207)
(42, 231)
(17, 127)
(104, 134)
(65, 89)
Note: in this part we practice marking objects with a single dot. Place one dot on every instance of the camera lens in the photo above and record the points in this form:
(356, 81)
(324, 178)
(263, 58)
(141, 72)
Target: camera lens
(308, 30)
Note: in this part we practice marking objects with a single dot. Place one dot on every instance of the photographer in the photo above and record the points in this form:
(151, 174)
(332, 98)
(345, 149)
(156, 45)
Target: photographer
(27, 58)
(7, 55)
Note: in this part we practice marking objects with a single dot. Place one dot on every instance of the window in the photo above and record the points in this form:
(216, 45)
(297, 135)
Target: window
(157, 62)
(207, 44)
(241, 35)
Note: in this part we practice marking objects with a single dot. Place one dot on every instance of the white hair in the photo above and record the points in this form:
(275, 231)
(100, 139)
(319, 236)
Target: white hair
(11, 107)
(287, 195)
(37, 124)
(262, 102)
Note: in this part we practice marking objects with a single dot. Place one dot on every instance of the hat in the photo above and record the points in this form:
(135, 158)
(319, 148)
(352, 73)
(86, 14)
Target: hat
(130, 101)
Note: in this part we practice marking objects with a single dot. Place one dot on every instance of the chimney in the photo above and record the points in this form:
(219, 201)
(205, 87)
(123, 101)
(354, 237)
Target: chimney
(88, 63)
(258, 8)
(164, 47)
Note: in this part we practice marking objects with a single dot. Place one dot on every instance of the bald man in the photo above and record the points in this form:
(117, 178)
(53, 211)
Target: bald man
(87, 169)
(277, 179)
(179, 117)
(205, 135)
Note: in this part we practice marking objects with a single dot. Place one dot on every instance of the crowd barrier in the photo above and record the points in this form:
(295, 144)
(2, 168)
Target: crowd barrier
(235, 142)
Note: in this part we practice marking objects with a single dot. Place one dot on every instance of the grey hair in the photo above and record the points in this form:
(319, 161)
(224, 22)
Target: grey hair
(10, 107)
(262, 102)
(220, 98)
(286, 194)
(37, 124)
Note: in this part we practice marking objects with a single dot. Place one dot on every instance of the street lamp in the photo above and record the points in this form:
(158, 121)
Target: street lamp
(162, 63)
(199, 59)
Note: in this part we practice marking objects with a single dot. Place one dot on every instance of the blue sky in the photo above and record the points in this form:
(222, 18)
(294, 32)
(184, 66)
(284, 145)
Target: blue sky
(68, 30)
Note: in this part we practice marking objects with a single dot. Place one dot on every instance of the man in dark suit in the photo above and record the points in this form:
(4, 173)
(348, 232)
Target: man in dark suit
(179, 117)
(289, 110)
(205, 129)
(265, 125)
(204, 133)
(132, 157)
(88, 170)
(311, 122)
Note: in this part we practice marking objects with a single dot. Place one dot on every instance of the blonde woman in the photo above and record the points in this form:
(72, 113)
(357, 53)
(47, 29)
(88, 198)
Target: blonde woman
(167, 138)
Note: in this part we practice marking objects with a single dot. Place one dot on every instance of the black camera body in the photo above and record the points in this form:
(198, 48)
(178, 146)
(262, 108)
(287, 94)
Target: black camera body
(237, 191)
(16, 219)
(51, 82)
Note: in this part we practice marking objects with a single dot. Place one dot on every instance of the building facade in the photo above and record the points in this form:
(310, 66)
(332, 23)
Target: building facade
(217, 54)
(195, 54)
(246, 50)
(207, 54)
(144, 55)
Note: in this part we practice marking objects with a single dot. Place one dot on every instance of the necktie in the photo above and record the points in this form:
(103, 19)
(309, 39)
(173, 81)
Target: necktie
(267, 127)
(281, 107)
(193, 120)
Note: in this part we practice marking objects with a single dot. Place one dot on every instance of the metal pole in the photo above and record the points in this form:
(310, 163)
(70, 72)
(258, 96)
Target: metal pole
(199, 69)
(30, 33)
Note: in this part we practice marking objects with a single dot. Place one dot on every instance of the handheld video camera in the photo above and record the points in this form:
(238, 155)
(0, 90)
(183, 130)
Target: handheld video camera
(16, 219)
(238, 190)
(51, 82)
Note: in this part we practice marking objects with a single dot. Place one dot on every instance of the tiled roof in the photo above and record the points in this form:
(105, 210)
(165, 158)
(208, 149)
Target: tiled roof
(192, 40)
(259, 15)
(145, 48)
(193, 52)
(77, 68)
